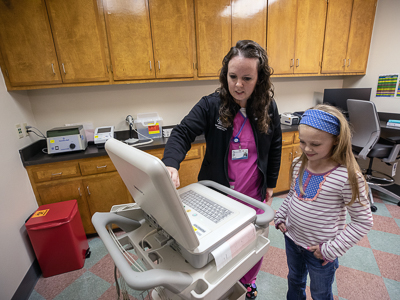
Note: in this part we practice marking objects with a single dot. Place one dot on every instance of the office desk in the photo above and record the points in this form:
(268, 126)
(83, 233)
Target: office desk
(389, 132)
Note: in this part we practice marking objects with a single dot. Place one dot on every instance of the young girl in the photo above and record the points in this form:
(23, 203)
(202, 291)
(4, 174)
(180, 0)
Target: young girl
(326, 182)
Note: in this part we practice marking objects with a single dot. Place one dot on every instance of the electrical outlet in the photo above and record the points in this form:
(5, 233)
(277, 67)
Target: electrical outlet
(24, 130)
(19, 131)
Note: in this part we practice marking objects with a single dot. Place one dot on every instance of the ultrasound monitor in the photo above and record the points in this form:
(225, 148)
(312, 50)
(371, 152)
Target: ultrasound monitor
(338, 97)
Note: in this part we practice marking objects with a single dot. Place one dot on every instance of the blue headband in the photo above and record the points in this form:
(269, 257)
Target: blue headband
(321, 120)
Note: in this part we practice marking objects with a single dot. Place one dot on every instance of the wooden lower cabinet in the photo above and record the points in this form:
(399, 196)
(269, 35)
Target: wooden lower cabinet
(63, 190)
(105, 190)
(290, 150)
(95, 183)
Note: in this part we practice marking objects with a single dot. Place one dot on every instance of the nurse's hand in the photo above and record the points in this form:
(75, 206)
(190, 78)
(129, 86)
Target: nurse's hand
(174, 176)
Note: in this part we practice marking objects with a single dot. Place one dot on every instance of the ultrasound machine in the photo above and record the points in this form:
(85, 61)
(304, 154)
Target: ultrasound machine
(191, 243)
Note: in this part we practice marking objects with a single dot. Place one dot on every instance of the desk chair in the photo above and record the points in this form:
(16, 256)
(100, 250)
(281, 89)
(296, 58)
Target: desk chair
(366, 142)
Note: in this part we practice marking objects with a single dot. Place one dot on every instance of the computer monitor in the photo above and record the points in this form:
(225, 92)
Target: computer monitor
(338, 97)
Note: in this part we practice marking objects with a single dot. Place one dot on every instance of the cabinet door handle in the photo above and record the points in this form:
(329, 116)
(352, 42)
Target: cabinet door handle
(344, 62)
(159, 66)
(79, 190)
(64, 69)
(101, 167)
(150, 65)
(291, 156)
(56, 174)
(349, 63)
(292, 62)
(87, 187)
(297, 62)
(52, 67)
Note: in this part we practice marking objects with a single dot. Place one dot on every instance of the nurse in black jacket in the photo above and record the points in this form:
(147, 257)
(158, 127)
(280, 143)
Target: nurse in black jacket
(241, 125)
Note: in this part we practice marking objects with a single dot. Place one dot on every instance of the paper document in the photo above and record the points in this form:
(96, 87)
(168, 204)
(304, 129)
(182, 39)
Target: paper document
(232, 247)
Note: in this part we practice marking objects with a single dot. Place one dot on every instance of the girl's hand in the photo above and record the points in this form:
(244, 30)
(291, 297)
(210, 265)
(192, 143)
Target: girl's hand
(317, 253)
(174, 176)
(282, 227)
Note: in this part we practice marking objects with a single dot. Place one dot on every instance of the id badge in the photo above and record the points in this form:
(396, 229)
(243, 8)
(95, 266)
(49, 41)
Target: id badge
(240, 154)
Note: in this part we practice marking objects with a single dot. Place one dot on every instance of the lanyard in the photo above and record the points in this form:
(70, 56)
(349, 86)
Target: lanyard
(236, 138)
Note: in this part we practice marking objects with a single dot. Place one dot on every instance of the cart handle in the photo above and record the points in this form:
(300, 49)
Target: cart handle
(174, 281)
(263, 219)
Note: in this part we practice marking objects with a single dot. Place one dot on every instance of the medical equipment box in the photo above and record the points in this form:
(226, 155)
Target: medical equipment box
(149, 126)
(58, 238)
(66, 139)
(289, 119)
(102, 134)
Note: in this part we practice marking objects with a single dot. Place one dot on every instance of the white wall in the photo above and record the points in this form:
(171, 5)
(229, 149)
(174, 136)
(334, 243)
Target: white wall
(16, 195)
(109, 105)
(384, 54)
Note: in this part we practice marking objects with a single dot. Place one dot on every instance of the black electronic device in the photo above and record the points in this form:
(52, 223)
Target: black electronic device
(338, 97)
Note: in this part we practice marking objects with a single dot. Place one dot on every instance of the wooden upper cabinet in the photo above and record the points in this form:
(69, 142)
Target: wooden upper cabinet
(295, 35)
(348, 35)
(129, 38)
(78, 39)
(310, 29)
(281, 35)
(27, 44)
(150, 38)
(249, 21)
(362, 22)
(336, 36)
(213, 35)
(172, 31)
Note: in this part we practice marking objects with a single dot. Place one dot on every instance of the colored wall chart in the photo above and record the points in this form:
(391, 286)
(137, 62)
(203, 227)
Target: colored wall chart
(398, 89)
(387, 85)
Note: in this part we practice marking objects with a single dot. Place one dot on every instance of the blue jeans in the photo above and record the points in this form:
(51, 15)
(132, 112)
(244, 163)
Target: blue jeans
(300, 262)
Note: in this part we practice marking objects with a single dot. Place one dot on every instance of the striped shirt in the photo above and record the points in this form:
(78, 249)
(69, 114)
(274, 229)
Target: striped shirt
(319, 217)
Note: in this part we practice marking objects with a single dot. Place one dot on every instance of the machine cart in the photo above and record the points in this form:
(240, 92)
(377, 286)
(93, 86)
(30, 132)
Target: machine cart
(168, 274)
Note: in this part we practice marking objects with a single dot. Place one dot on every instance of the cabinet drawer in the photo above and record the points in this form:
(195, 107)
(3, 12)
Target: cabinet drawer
(159, 153)
(287, 138)
(96, 166)
(193, 153)
(55, 171)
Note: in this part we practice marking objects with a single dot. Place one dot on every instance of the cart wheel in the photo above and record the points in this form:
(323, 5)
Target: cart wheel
(374, 208)
(398, 203)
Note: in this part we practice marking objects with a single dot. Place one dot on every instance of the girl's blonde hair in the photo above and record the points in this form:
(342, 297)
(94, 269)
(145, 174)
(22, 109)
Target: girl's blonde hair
(341, 153)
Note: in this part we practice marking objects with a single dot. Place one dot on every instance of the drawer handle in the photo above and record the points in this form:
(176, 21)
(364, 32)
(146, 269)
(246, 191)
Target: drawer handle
(56, 174)
(101, 167)
(87, 187)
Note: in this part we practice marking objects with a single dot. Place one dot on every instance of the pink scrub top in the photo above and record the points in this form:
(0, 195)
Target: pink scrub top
(244, 175)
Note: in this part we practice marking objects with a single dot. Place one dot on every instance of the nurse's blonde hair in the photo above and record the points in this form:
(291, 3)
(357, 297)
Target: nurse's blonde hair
(341, 153)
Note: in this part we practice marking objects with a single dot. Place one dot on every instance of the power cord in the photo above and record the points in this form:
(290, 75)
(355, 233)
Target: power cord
(29, 127)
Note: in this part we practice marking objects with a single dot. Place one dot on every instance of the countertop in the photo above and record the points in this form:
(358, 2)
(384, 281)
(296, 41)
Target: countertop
(33, 155)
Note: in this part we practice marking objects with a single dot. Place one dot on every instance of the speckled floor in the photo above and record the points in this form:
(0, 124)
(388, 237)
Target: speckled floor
(369, 271)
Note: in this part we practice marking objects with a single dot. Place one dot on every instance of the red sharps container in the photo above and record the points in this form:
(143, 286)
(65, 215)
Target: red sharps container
(58, 238)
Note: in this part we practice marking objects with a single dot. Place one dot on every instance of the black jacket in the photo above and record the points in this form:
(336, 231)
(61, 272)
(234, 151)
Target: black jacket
(204, 119)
